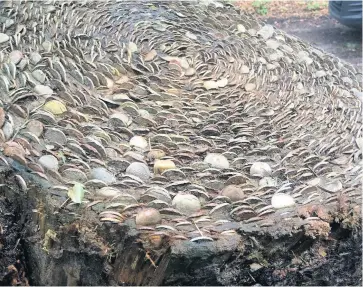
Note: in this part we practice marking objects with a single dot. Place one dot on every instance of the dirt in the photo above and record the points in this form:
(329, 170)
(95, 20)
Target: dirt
(265, 9)
(113, 254)
(311, 22)
(12, 219)
(326, 34)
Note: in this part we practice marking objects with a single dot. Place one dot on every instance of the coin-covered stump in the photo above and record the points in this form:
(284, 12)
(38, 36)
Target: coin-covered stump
(173, 143)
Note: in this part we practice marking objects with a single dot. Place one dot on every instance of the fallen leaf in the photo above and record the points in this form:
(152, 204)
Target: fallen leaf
(55, 107)
(322, 252)
(76, 193)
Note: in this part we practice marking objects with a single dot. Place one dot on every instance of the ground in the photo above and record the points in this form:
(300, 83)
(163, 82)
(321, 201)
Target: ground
(310, 21)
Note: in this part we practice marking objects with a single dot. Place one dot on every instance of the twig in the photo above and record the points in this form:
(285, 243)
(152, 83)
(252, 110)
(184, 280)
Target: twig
(251, 277)
(149, 258)
(17, 243)
(201, 234)
(64, 203)
(19, 129)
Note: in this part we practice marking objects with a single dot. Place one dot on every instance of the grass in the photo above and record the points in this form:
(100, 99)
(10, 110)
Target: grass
(313, 6)
(285, 8)
(261, 6)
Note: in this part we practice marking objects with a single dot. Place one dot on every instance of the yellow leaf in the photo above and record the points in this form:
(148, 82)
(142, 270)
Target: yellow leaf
(322, 252)
(76, 193)
(55, 107)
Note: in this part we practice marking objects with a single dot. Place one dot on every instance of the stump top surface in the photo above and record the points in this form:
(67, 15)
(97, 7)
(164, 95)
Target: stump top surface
(192, 119)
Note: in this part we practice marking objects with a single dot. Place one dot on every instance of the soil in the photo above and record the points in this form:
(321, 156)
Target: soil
(327, 34)
(265, 9)
(310, 21)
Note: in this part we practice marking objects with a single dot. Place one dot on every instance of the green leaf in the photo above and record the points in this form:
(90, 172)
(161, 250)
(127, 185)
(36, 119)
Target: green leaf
(76, 193)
